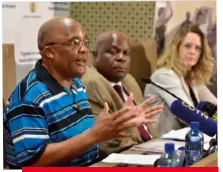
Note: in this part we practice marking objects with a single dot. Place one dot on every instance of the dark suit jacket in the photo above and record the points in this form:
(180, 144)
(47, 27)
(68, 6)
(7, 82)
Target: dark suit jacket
(99, 91)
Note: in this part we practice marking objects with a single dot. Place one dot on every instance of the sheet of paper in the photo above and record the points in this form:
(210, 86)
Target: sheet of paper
(131, 159)
(180, 134)
(156, 146)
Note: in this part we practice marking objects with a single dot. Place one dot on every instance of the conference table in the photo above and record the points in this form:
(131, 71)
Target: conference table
(209, 161)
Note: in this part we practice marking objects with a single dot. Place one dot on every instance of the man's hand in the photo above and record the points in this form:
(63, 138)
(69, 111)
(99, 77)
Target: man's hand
(144, 114)
(108, 126)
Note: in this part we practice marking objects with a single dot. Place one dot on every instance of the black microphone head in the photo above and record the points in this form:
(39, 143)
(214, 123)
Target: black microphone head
(213, 142)
(209, 107)
(146, 80)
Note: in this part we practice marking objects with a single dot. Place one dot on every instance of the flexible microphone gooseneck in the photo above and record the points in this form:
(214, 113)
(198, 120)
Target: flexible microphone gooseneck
(149, 81)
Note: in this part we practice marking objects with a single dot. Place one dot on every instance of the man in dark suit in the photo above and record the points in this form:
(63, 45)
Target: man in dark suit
(108, 81)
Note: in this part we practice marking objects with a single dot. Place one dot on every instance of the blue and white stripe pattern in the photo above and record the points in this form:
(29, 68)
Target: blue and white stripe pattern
(38, 114)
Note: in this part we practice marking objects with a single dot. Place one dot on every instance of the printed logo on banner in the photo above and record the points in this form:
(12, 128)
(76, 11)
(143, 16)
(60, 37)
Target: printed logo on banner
(32, 7)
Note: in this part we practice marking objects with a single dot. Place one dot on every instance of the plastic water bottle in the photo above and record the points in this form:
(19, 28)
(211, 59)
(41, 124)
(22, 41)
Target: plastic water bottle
(169, 158)
(194, 144)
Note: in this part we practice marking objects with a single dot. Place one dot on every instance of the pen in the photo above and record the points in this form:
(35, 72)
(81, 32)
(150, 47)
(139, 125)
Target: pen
(174, 139)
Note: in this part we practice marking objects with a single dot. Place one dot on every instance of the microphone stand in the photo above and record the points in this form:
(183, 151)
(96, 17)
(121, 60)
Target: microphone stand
(212, 147)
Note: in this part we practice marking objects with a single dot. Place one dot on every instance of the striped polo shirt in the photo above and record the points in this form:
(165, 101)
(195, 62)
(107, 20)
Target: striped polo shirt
(41, 111)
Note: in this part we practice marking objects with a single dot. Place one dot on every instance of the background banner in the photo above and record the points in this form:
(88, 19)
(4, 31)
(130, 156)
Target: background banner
(21, 22)
(171, 15)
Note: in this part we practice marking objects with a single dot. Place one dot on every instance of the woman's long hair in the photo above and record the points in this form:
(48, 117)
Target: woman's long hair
(202, 71)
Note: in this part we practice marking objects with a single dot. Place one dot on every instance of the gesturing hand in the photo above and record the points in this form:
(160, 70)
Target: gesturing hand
(108, 126)
(144, 114)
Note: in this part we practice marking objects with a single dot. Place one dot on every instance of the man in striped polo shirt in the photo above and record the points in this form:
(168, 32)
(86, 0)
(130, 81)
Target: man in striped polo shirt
(48, 120)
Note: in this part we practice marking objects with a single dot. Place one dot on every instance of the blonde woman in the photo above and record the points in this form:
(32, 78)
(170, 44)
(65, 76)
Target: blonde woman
(184, 69)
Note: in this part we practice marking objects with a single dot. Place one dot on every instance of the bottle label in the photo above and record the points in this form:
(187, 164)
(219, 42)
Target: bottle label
(193, 151)
(191, 145)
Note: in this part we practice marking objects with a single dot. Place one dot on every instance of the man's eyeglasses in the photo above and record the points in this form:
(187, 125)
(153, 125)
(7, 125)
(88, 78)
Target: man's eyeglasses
(77, 43)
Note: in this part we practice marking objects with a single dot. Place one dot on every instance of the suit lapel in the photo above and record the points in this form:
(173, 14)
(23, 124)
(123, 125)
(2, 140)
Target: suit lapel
(187, 91)
(127, 92)
(184, 85)
(128, 87)
(194, 89)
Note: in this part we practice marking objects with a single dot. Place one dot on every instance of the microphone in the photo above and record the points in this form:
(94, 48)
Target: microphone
(209, 108)
(149, 81)
(188, 114)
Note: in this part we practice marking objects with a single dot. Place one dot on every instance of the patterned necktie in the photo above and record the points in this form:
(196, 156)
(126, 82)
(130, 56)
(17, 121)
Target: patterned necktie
(145, 134)
(118, 89)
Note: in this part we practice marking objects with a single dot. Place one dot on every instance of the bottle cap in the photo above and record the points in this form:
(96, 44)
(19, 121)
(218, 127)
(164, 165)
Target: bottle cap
(194, 125)
(169, 147)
